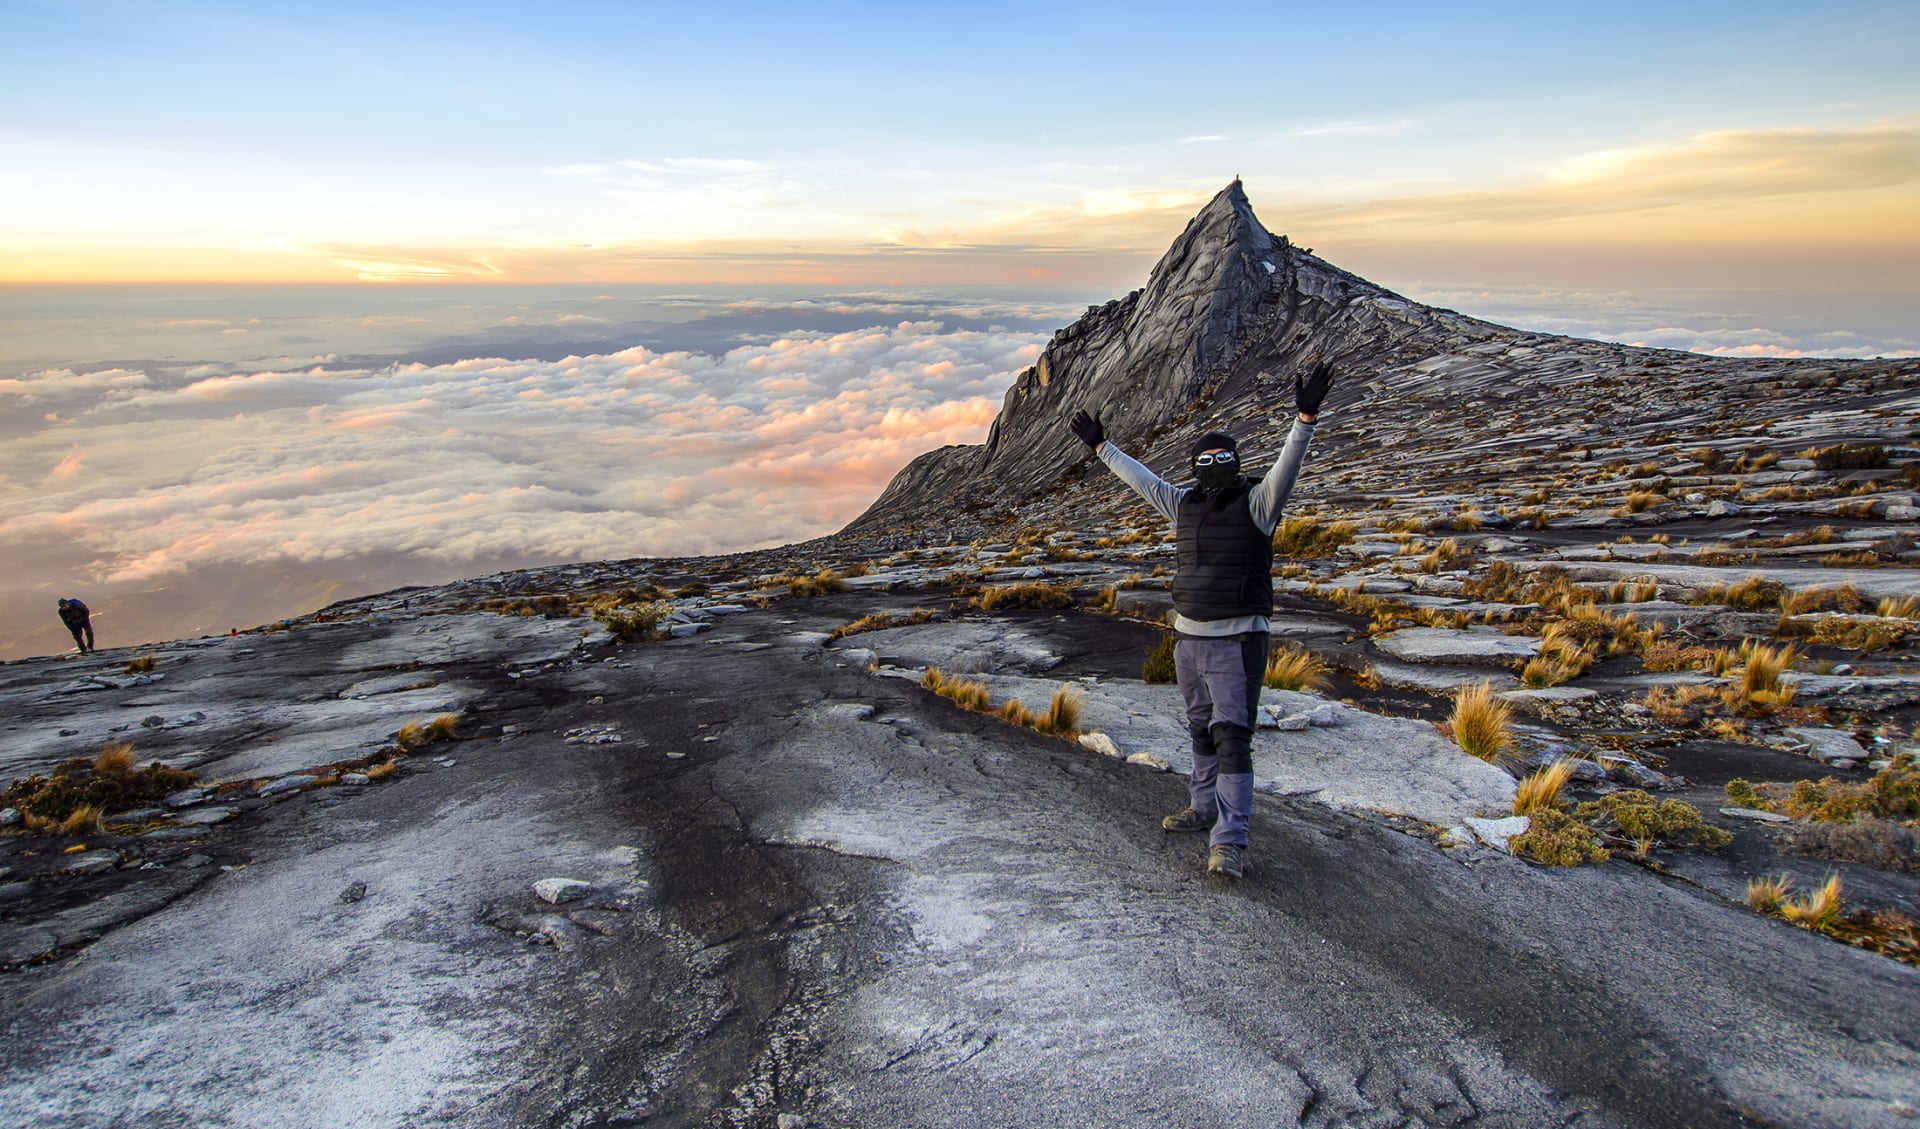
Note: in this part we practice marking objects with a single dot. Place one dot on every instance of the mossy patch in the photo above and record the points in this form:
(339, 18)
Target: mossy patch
(1557, 839)
(105, 784)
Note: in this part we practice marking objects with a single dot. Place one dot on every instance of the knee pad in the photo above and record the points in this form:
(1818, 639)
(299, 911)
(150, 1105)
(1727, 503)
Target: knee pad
(1234, 743)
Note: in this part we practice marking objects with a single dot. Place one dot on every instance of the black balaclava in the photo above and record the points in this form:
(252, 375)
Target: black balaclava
(1218, 476)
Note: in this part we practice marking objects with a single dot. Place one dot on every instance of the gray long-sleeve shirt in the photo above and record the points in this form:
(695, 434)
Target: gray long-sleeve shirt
(1268, 496)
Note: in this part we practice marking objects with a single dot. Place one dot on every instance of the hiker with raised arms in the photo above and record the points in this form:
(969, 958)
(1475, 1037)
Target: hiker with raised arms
(1222, 594)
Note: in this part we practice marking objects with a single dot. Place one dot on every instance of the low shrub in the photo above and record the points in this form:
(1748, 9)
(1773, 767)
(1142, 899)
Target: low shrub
(1023, 596)
(1310, 537)
(1891, 793)
(1645, 821)
(1844, 598)
(1752, 594)
(1557, 839)
(634, 624)
(1158, 668)
(1865, 839)
(1846, 456)
(105, 783)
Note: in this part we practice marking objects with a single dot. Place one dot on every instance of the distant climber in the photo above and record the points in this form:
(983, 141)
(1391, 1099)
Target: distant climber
(1223, 594)
(79, 622)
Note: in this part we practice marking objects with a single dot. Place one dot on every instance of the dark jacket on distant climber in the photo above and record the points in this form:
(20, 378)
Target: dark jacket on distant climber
(79, 623)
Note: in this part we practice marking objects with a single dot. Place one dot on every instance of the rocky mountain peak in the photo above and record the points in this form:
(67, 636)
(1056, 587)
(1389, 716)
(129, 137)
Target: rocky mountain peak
(1230, 308)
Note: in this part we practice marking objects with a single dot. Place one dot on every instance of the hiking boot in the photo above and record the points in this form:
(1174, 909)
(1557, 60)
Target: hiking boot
(1224, 860)
(1187, 820)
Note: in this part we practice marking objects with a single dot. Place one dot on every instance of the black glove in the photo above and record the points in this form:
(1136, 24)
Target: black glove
(1309, 390)
(1089, 429)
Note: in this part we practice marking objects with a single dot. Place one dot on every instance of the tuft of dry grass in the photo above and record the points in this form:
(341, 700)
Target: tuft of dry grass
(1898, 607)
(1758, 689)
(1295, 668)
(382, 770)
(1481, 724)
(1640, 501)
(1818, 909)
(1015, 713)
(114, 760)
(81, 821)
(1541, 789)
(1442, 556)
(1766, 894)
(1063, 714)
(142, 664)
(1752, 594)
(880, 621)
(441, 728)
(819, 584)
(962, 692)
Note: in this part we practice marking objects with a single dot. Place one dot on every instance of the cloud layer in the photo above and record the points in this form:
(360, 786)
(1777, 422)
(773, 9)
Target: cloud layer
(624, 454)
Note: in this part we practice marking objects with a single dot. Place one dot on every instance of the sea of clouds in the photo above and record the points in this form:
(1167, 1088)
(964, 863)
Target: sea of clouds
(128, 479)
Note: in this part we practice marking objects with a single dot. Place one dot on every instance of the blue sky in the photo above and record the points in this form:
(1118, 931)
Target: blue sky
(580, 141)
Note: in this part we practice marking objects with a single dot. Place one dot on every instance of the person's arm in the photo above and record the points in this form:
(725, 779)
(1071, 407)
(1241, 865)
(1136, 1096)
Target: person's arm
(1271, 494)
(1159, 493)
(1162, 495)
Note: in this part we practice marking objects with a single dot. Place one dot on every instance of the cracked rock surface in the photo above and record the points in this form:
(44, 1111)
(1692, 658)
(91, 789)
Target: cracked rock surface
(818, 890)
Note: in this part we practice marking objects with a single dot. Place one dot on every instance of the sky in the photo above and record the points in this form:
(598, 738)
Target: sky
(301, 301)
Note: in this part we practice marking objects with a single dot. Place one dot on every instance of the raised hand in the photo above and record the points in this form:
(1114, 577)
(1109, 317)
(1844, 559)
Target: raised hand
(1310, 390)
(1088, 428)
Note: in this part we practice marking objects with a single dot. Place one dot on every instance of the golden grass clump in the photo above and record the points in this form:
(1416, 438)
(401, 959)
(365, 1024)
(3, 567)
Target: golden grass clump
(142, 664)
(114, 760)
(1062, 717)
(880, 621)
(1562, 656)
(819, 584)
(1847, 632)
(1640, 501)
(441, 728)
(1442, 555)
(82, 820)
(1541, 789)
(1817, 910)
(1898, 607)
(1310, 537)
(1015, 713)
(1766, 894)
(1481, 724)
(1758, 688)
(382, 770)
(962, 692)
(634, 624)
(1295, 668)
(1752, 594)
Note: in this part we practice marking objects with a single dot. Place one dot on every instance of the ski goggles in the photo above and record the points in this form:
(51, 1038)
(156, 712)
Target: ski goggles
(1223, 458)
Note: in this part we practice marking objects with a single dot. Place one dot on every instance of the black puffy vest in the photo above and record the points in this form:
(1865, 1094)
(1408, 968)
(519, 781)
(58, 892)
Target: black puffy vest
(1226, 562)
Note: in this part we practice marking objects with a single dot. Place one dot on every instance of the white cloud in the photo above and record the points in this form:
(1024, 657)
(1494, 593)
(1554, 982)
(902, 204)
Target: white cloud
(624, 454)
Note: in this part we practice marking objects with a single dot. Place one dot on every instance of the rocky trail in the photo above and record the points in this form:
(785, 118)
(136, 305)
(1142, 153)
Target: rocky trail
(815, 889)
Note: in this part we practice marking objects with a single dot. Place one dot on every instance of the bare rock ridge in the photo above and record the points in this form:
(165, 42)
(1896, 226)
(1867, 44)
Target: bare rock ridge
(1227, 315)
(1430, 398)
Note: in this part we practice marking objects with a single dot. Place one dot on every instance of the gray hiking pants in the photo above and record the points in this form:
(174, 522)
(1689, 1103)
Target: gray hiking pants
(1220, 683)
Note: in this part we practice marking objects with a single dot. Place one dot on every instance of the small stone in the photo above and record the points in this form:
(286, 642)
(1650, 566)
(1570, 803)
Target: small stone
(187, 797)
(356, 778)
(1324, 717)
(194, 861)
(69, 733)
(1153, 761)
(1755, 814)
(1843, 668)
(153, 721)
(353, 893)
(285, 785)
(93, 862)
(686, 630)
(207, 817)
(1099, 743)
(558, 891)
(1720, 507)
(9, 816)
(597, 700)
(1843, 764)
(676, 756)
(1496, 832)
(1293, 723)
(1461, 836)
(790, 1121)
